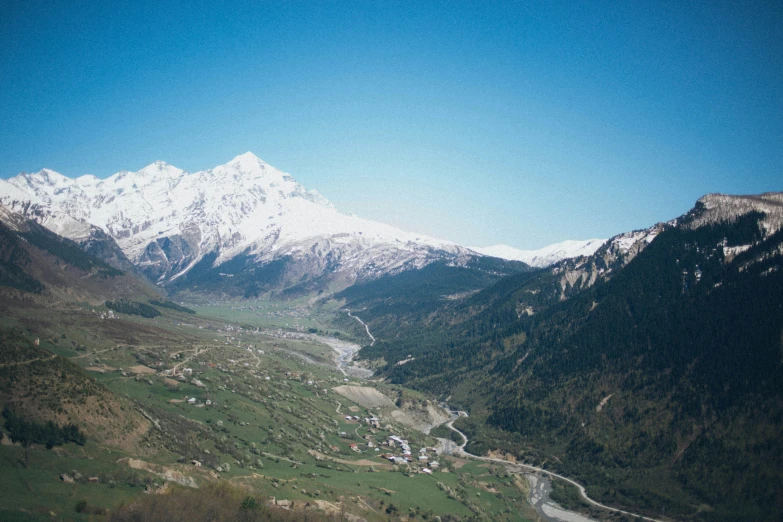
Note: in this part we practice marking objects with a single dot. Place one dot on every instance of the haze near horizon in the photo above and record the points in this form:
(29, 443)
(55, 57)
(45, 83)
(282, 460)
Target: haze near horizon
(479, 123)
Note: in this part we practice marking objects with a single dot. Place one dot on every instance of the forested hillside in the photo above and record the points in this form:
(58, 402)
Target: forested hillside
(659, 386)
(410, 297)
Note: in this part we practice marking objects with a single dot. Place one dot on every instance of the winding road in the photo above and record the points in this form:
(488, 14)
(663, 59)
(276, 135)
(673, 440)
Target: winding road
(190, 358)
(582, 492)
(367, 328)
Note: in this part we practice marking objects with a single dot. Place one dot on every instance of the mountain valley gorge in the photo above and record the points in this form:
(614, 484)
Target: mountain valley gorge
(213, 330)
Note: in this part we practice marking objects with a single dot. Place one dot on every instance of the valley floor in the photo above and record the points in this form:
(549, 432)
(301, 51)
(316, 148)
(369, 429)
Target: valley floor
(224, 403)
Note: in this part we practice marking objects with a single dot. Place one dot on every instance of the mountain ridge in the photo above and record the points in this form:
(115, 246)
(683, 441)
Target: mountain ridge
(649, 370)
(167, 220)
(545, 256)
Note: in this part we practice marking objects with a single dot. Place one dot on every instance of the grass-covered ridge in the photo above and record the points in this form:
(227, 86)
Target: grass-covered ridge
(221, 502)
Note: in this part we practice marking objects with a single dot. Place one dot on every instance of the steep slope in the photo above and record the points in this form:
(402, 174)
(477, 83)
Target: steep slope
(408, 298)
(33, 259)
(514, 291)
(546, 256)
(651, 371)
(52, 277)
(168, 221)
(41, 387)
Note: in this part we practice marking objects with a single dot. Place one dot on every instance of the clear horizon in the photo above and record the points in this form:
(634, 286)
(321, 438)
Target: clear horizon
(480, 123)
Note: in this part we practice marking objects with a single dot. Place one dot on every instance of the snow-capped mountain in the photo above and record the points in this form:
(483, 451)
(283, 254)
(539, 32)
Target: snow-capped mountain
(546, 256)
(167, 220)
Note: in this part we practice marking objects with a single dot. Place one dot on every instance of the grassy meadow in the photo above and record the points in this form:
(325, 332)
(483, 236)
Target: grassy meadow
(259, 418)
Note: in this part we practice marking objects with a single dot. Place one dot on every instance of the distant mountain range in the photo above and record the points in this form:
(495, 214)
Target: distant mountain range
(192, 230)
(546, 256)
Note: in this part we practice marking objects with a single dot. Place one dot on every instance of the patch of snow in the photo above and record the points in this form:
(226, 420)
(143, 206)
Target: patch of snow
(546, 256)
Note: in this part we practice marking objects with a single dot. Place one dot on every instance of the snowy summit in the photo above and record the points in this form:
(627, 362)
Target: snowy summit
(166, 220)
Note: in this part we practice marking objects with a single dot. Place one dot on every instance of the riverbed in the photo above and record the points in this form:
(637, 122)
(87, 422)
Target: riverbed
(345, 351)
(540, 484)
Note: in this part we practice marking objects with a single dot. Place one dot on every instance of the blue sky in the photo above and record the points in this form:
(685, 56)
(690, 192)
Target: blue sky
(521, 123)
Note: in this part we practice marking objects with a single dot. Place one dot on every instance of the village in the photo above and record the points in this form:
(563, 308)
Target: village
(395, 449)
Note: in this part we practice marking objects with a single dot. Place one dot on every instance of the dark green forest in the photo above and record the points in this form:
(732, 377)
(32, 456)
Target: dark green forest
(49, 434)
(683, 346)
(124, 306)
(172, 306)
(13, 260)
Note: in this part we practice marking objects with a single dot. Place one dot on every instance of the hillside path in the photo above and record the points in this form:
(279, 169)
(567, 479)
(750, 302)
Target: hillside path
(199, 350)
(29, 361)
(94, 353)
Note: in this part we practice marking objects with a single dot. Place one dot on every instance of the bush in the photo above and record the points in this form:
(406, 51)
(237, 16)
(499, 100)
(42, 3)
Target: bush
(81, 506)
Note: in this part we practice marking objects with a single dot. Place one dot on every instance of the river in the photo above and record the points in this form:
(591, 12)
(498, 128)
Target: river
(540, 483)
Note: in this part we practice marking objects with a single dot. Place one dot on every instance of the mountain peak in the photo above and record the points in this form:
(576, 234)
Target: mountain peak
(43, 177)
(160, 167)
(247, 156)
(248, 159)
(167, 221)
(717, 208)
